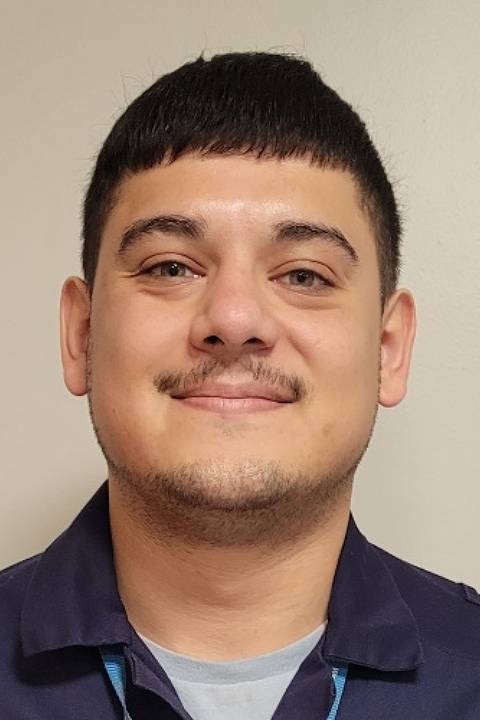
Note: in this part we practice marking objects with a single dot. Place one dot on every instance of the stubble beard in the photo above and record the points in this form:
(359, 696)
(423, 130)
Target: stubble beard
(250, 503)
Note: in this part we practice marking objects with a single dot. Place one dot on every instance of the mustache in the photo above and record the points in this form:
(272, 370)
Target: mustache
(183, 381)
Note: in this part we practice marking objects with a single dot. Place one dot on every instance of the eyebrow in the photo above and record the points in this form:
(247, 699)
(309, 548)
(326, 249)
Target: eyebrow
(166, 224)
(194, 229)
(287, 231)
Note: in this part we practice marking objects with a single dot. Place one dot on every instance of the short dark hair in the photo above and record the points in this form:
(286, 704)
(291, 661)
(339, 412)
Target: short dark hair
(270, 105)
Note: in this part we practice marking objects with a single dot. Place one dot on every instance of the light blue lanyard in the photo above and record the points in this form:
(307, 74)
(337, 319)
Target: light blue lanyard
(114, 663)
(339, 677)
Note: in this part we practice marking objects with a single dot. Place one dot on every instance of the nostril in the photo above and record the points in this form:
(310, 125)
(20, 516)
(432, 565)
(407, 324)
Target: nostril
(212, 340)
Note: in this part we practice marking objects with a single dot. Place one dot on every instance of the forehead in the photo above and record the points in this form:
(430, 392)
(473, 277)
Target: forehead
(241, 192)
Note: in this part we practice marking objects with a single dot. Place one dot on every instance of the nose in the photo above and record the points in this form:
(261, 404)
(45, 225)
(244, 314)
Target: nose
(233, 318)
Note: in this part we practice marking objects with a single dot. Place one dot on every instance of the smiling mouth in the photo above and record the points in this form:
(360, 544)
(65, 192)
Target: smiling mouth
(231, 405)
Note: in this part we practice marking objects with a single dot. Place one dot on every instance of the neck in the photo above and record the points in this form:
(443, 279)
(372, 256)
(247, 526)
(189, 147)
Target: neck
(224, 603)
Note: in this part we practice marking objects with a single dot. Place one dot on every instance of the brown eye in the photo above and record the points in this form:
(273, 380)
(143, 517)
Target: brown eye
(169, 269)
(303, 277)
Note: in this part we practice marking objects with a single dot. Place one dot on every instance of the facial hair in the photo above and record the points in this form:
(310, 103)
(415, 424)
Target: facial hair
(251, 503)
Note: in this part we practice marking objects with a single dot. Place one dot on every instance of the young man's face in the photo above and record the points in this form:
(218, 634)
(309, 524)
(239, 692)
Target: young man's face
(233, 292)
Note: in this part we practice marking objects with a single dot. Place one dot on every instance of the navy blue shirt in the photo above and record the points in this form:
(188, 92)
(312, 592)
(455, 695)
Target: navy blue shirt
(411, 639)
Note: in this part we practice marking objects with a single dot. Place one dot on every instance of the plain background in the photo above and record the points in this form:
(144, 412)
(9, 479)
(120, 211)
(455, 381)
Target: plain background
(412, 70)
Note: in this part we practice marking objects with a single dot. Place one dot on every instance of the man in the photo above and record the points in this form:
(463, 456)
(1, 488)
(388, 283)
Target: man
(237, 326)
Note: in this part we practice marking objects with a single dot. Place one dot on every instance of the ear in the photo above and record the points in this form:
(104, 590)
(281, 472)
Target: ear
(398, 334)
(74, 333)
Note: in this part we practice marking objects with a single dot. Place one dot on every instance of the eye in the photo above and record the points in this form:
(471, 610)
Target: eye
(306, 278)
(169, 269)
(298, 278)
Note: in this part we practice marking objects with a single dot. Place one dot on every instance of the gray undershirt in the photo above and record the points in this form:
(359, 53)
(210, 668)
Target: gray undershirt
(249, 688)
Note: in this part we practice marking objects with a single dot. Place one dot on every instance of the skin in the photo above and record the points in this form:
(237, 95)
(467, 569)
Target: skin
(228, 517)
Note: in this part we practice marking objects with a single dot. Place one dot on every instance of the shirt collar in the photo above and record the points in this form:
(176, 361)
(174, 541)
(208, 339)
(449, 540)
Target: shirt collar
(369, 622)
(72, 599)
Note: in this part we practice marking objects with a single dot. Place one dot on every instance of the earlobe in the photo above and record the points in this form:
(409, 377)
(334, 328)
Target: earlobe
(398, 334)
(74, 333)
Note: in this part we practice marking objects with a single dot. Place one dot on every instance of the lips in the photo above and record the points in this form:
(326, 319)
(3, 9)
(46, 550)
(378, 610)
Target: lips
(231, 400)
(245, 391)
(231, 406)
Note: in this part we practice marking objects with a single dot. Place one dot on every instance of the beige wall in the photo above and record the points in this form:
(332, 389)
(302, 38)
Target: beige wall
(412, 69)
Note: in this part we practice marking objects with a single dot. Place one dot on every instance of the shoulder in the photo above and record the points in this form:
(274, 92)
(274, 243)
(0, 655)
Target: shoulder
(19, 571)
(447, 612)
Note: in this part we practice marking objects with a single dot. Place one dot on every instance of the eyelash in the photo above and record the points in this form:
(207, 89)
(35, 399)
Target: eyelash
(324, 282)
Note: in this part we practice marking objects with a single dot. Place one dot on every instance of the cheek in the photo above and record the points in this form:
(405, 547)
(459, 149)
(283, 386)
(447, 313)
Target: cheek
(134, 341)
(343, 362)
(130, 345)
(342, 353)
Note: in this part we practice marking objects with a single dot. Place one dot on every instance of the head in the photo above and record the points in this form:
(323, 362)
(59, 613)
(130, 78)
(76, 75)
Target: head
(240, 237)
